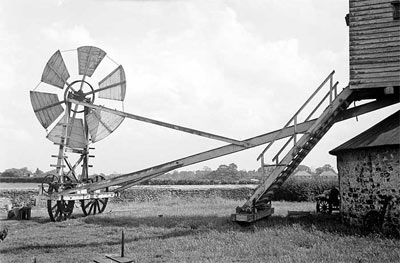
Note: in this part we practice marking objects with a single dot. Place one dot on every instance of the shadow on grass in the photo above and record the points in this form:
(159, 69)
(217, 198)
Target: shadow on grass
(325, 223)
(47, 248)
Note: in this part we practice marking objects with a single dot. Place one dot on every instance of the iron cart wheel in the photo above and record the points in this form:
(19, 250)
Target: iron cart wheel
(323, 206)
(50, 184)
(59, 210)
(95, 206)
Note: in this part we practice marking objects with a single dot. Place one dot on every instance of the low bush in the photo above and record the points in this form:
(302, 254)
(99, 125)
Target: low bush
(303, 190)
(21, 180)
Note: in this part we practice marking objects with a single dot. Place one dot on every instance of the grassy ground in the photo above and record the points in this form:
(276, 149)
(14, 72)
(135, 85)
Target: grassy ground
(197, 230)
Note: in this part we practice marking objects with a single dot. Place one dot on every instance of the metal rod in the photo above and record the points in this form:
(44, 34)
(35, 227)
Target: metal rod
(160, 123)
(104, 88)
(50, 105)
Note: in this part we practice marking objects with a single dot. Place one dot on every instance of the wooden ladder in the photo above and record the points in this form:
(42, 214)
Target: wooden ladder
(259, 204)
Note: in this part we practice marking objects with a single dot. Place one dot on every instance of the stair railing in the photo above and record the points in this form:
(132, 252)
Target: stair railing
(332, 94)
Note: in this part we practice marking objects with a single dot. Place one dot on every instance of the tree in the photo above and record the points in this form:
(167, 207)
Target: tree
(14, 172)
(302, 167)
(326, 167)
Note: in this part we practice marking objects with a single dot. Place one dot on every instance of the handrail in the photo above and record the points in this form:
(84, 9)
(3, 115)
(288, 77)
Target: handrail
(309, 116)
(329, 77)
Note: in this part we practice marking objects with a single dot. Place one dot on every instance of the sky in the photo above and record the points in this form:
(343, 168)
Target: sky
(233, 68)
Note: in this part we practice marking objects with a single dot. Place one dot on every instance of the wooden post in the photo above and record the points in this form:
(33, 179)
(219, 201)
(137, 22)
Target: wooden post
(295, 131)
(262, 165)
(122, 244)
(330, 90)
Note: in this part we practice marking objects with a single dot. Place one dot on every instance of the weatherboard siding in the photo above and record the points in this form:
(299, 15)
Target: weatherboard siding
(374, 45)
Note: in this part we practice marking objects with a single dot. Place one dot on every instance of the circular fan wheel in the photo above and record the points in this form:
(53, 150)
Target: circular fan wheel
(98, 205)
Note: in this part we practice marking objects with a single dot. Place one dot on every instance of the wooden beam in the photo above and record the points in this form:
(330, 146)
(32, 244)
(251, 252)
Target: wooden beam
(160, 123)
(196, 158)
(367, 107)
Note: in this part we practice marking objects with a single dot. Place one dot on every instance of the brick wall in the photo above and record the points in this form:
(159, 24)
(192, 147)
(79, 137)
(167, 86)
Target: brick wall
(366, 176)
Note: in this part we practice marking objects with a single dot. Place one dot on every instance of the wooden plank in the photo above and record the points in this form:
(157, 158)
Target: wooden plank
(377, 78)
(376, 70)
(363, 42)
(375, 10)
(383, 81)
(374, 7)
(373, 85)
(380, 55)
(376, 35)
(357, 60)
(372, 22)
(357, 17)
(354, 3)
(380, 74)
(371, 26)
(374, 66)
(372, 31)
(249, 218)
(362, 51)
(376, 45)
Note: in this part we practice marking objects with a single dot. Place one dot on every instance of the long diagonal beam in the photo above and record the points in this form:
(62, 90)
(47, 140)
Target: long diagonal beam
(160, 123)
(196, 158)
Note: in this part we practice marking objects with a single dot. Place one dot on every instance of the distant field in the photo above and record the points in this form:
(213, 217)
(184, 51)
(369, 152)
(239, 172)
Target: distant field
(24, 186)
(192, 230)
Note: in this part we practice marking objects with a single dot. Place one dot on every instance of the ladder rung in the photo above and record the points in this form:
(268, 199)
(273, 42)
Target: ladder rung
(92, 148)
(58, 157)
(73, 150)
(56, 165)
(91, 156)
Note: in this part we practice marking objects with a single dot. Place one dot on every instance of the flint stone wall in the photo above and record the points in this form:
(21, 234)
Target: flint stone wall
(366, 177)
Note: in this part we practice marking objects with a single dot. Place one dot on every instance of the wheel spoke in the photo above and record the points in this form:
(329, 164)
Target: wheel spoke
(88, 203)
(90, 210)
(98, 206)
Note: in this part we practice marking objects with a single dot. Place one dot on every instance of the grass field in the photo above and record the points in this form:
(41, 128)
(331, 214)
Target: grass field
(194, 230)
